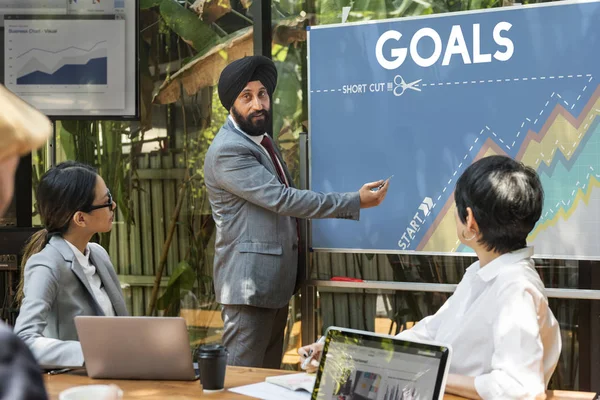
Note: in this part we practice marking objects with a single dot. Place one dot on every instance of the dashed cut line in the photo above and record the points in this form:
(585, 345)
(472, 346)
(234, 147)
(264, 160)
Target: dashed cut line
(561, 203)
(473, 82)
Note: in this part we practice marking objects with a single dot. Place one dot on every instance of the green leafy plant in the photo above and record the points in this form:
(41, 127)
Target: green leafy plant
(181, 280)
(99, 144)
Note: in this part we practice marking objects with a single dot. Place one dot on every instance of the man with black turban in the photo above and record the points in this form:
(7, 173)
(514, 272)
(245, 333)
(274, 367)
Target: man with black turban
(255, 207)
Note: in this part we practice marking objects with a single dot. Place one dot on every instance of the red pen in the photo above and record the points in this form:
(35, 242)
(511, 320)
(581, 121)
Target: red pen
(345, 279)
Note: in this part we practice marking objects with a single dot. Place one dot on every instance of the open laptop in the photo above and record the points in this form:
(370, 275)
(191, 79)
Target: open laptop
(362, 365)
(156, 348)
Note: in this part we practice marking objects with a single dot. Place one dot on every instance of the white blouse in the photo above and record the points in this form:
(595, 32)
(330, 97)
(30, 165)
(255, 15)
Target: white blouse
(94, 280)
(500, 328)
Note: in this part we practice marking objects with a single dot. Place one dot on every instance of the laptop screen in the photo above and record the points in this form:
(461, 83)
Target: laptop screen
(363, 366)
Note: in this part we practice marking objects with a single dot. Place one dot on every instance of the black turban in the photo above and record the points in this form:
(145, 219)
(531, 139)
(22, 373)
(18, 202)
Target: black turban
(236, 76)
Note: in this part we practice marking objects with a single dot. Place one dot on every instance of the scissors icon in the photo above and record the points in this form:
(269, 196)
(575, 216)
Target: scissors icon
(400, 84)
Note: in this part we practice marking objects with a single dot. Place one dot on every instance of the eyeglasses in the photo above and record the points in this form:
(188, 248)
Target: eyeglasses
(108, 204)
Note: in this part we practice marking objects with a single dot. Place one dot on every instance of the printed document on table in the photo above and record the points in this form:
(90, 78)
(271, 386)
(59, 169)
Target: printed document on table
(268, 391)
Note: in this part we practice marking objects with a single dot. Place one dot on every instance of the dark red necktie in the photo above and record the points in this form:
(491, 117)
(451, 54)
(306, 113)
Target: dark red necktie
(268, 145)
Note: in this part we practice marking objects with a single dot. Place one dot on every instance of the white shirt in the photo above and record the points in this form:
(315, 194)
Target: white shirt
(258, 140)
(94, 280)
(500, 328)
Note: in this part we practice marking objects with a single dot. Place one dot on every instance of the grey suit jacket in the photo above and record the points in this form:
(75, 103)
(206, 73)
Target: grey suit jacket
(256, 247)
(56, 291)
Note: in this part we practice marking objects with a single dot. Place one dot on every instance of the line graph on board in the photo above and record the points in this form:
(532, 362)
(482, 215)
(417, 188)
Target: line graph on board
(73, 65)
(66, 63)
(564, 152)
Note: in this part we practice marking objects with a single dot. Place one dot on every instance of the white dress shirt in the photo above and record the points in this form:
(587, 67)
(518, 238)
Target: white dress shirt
(94, 280)
(500, 328)
(258, 140)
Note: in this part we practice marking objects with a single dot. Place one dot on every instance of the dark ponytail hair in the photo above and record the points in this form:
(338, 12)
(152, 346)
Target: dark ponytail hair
(63, 190)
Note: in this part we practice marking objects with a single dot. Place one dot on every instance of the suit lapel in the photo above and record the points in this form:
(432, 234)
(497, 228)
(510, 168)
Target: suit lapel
(265, 158)
(112, 291)
(78, 271)
(59, 244)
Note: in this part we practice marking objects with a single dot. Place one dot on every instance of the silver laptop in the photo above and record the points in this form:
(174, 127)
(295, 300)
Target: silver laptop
(156, 348)
(361, 365)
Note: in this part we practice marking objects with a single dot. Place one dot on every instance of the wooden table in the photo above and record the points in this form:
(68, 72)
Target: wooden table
(177, 390)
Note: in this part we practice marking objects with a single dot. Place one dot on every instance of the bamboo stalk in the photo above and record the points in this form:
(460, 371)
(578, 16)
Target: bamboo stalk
(165, 251)
(174, 217)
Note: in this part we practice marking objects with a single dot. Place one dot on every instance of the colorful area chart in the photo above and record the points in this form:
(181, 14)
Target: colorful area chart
(566, 154)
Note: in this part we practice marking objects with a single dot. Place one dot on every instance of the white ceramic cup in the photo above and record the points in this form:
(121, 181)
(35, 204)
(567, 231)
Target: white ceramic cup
(92, 392)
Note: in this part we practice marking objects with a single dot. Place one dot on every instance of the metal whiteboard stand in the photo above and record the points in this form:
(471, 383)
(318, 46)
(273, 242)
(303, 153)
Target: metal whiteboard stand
(308, 293)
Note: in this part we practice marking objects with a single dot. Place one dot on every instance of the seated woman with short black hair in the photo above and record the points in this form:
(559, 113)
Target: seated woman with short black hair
(505, 340)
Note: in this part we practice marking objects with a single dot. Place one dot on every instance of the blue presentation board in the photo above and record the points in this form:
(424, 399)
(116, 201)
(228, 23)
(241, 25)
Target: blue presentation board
(422, 98)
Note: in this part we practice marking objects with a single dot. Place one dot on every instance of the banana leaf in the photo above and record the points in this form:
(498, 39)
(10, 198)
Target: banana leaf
(146, 4)
(287, 99)
(211, 10)
(182, 279)
(205, 68)
(187, 25)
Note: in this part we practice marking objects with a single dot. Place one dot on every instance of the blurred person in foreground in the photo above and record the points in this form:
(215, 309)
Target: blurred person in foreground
(22, 129)
(505, 339)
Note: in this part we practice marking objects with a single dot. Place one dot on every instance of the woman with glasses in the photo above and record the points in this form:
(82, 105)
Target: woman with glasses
(63, 274)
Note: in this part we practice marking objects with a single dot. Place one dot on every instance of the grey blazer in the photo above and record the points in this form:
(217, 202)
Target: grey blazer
(256, 247)
(56, 291)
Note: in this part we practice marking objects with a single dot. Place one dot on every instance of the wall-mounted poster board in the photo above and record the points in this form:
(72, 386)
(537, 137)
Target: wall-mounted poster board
(422, 98)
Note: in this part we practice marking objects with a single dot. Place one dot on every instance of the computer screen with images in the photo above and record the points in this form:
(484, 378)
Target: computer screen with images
(367, 367)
